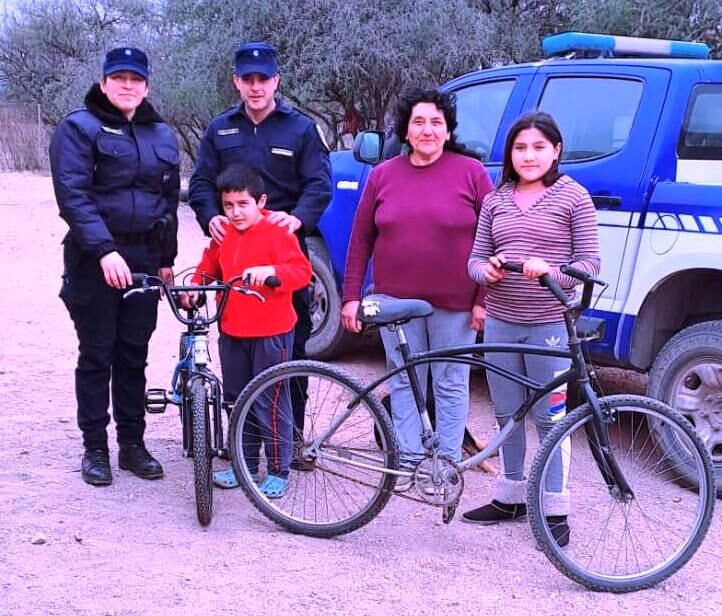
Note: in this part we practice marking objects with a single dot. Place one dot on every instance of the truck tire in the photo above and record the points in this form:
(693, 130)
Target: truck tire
(687, 375)
(328, 338)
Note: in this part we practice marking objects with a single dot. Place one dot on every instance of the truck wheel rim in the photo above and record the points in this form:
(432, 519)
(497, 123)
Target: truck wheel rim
(319, 304)
(696, 392)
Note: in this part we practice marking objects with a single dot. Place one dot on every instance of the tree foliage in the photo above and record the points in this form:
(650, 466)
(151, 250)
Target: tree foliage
(341, 61)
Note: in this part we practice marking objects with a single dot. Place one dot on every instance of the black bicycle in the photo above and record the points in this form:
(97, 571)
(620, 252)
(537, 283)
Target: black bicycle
(195, 389)
(639, 478)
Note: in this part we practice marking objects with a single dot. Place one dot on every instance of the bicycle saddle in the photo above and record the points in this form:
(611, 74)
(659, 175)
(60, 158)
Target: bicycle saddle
(383, 309)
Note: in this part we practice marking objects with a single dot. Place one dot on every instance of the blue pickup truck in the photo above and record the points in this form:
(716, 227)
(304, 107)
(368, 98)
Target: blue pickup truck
(642, 126)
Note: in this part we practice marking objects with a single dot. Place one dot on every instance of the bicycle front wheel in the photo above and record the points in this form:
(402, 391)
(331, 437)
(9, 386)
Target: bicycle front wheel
(201, 446)
(337, 480)
(618, 544)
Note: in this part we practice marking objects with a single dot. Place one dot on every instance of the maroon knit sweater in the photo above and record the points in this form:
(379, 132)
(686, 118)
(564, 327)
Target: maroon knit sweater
(418, 223)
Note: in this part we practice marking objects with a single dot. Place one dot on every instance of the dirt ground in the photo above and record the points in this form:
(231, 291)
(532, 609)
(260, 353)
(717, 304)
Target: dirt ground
(136, 548)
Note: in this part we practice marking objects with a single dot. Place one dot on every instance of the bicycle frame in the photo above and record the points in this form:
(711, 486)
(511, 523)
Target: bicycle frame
(473, 355)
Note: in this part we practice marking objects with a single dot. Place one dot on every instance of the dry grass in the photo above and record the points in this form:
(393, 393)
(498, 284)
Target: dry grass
(23, 141)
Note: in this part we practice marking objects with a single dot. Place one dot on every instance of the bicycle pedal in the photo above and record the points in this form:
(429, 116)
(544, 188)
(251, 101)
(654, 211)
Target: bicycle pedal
(155, 401)
(449, 511)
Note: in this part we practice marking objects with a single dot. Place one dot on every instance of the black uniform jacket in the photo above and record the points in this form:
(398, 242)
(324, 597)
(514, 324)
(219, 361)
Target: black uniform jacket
(116, 181)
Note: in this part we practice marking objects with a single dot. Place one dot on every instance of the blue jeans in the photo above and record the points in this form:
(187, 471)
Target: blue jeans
(444, 328)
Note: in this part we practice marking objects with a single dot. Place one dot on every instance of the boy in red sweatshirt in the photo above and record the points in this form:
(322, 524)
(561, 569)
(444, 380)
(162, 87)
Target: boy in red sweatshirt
(255, 335)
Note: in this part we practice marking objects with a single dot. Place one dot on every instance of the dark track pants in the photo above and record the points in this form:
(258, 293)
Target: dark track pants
(271, 422)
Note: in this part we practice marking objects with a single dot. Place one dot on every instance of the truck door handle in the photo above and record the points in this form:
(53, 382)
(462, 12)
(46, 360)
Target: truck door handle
(606, 202)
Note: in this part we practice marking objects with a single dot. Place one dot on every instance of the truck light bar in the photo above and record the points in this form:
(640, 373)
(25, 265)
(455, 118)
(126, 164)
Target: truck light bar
(620, 46)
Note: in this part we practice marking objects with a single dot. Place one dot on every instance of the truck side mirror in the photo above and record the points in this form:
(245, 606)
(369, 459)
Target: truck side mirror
(368, 147)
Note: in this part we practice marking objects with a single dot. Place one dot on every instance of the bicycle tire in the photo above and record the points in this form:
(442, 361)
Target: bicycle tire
(657, 511)
(202, 460)
(320, 499)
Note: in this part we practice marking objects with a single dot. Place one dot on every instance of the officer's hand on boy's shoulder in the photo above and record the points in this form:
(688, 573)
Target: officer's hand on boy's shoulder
(257, 275)
(217, 227)
(283, 219)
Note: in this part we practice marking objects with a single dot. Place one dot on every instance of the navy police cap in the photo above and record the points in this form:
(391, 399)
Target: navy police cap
(256, 58)
(126, 59)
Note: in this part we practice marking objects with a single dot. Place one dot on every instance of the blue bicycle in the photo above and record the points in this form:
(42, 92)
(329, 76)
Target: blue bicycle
(195, 389)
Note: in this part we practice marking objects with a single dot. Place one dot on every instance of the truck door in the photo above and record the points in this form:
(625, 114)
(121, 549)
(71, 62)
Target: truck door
(608, 115)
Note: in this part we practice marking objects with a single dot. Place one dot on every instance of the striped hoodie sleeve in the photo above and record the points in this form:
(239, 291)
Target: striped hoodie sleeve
(483, 247)
(585, 240)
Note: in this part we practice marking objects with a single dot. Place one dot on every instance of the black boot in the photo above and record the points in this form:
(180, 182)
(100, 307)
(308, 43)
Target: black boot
(137, 460)
(95, 467)
(494, 512)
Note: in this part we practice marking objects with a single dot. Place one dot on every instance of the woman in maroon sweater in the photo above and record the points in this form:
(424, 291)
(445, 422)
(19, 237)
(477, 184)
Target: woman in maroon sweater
(417, 218)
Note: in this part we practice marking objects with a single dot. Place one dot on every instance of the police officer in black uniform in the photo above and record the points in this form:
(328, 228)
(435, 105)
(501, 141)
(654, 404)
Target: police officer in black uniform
(115, 167)
(285, 146)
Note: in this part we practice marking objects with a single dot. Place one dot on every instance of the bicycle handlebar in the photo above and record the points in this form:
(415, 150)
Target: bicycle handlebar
(147, 282)
(547, 281)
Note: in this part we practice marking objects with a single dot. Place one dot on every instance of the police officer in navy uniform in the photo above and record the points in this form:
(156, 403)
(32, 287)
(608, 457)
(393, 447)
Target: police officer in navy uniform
(287, 149)
(115, 167)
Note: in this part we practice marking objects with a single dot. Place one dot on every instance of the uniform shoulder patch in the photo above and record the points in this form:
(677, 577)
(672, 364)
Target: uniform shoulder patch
(322, 137)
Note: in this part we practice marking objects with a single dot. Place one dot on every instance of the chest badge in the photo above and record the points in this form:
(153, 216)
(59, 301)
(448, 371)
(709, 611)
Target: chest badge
(282, 152)
(112, 131)
(222, 132)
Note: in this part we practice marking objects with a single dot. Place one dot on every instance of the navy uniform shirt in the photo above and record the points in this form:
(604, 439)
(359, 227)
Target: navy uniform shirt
(286, 149)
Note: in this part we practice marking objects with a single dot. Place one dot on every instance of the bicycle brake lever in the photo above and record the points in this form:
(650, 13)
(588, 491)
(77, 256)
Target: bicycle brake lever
(255, 294)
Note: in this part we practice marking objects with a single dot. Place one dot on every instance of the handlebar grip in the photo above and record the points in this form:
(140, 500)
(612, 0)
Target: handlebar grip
(574, 272)
(272, 282)
(547, 281)
(510, 266)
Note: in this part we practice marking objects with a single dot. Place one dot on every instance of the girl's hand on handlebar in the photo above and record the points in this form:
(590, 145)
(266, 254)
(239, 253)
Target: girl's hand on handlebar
(535, 268)
(348, 316)
(256, 276)
(492, 270)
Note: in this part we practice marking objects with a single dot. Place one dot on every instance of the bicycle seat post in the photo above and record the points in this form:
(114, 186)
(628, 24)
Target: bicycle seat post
(428, 438)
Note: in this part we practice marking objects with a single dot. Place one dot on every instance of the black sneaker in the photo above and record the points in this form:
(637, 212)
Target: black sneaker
(494, 513)
(95, 467)
(559, 528)
(137, 460)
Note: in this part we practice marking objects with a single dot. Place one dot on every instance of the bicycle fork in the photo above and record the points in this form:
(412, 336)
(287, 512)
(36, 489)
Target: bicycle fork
(598, 437)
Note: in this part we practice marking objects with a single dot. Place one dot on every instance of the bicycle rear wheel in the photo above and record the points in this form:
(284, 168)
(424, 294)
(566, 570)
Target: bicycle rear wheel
(614, 545)
(201, 446)
(336, 483)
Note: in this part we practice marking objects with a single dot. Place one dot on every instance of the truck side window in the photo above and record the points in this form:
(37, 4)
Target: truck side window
(595, 114)
(701, 137)
(479, 109)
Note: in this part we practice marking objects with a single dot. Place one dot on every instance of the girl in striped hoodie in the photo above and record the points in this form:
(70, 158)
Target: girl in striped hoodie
(543, 219)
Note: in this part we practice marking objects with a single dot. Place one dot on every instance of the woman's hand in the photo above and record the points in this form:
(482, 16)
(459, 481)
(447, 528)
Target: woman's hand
(535, 267)
(348, 316)
(492, 270)
(116, 271)
(478, 316)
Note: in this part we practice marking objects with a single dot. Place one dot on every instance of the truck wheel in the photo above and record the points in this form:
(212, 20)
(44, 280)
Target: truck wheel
(687, 375)
(328, 338)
